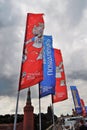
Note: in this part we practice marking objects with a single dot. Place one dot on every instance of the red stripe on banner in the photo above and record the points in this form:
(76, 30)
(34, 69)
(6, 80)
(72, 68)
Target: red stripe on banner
(31, 70)
(83, 107)
(60, 88)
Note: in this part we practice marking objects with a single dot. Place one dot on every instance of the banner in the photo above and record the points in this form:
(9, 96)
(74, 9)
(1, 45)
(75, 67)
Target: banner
(86, 109)
(47, 85)
(32, 62)
(60, 88)
(83, 107)
(76, 99)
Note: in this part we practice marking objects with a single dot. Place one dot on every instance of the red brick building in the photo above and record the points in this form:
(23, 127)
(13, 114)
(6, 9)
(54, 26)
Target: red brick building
(28, 121)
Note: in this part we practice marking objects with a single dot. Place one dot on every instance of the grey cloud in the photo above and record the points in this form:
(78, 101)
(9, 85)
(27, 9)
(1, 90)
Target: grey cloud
(9, 48)
(78, 59)
(78, 75)
(9, 14)
(75, 10)
(8, 85)
(76, 67)
(35, 91)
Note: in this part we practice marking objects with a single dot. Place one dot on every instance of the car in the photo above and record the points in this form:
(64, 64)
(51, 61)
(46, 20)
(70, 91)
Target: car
(70, 122)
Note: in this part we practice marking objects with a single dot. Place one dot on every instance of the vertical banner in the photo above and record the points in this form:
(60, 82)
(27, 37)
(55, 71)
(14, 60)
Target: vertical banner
(61, 88)
(32, 62)
(47, 85)
(83, 107)
(86, 109)
(76, 99)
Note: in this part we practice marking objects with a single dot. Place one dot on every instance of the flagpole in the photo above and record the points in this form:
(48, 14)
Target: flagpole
(39, 109)
(53, 113)
(15, 120)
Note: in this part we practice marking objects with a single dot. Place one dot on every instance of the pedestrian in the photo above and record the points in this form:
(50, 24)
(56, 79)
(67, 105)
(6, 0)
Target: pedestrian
(82, 125)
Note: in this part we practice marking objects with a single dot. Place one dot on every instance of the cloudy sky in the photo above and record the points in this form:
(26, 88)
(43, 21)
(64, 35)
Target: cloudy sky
(66, 21)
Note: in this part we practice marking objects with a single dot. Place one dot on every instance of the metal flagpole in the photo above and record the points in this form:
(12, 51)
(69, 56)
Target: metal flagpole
(53, 114)
(15, 120)
(39, 110)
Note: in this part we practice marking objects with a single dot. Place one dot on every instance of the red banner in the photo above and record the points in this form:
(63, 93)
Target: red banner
(60, 88)
(83, 107)
(31, 70)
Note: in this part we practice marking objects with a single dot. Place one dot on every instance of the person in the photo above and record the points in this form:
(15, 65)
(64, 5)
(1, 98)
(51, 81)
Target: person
(82, 125)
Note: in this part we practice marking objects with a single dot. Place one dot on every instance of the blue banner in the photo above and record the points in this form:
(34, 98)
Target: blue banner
(86, 109)
(47, 85)
(76, 99)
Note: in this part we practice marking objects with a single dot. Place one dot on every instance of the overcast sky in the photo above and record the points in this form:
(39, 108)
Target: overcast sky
(66, 21)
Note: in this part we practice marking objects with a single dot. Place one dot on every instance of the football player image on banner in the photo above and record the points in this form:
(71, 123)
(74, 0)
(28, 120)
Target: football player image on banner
(47, 85)
(60, 88)
(32, 62)
(76, 99)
